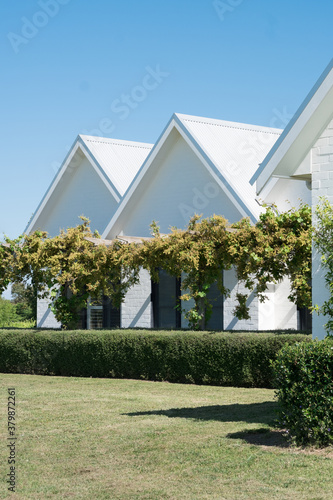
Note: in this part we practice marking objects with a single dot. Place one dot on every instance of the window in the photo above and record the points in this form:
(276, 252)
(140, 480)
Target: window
(165, 299)
(101, 314)
(94, 314)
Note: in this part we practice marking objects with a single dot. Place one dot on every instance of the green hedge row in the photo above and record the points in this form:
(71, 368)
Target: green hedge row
(186, 357)
(304, 377)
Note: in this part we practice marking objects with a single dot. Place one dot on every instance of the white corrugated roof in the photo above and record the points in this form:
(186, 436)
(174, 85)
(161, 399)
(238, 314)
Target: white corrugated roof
(236, 150)
(120, 160)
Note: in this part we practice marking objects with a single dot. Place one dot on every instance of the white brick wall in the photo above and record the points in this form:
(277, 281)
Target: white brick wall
(230, 322)
(136, 309)
(277, 312)
(45, 317)
(229, 304)
(322, 185)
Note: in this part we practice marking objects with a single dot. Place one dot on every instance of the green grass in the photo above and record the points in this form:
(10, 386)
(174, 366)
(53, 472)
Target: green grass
(126, 439)
(24, 324)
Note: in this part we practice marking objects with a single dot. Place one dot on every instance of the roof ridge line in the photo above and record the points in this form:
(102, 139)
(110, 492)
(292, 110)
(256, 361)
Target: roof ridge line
(119, 142)
(230, 126)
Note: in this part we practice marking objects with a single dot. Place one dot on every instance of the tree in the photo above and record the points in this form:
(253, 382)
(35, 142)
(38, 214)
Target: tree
(25, 299)
(7, 312)
(6, 261)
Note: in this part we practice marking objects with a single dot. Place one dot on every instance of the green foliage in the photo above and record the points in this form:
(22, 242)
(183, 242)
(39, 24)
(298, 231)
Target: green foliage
(323, 240)
(198, 254)
(7, 313)
(200, 358)
(69, 268)
(6, 260)
(25, 300)
(304, 378)
(22, 324)
(277, 246)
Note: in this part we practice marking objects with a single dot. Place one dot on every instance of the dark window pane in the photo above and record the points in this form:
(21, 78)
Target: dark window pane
(111, 315)
(165, 297)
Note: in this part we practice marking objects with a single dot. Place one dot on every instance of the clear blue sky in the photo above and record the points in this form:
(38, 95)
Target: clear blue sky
(68, 65)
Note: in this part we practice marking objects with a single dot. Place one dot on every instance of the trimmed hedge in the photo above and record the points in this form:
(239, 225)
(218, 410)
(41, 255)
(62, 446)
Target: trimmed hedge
(228, 359)
(304, 377)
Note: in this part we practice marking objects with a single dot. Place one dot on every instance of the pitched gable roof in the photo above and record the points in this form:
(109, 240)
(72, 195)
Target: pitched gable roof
(120, 160)
(115, 162)
(304, 129)
(230, 151)
(235, 149)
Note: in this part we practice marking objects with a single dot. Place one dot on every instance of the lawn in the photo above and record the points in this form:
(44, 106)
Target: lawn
(126, 439)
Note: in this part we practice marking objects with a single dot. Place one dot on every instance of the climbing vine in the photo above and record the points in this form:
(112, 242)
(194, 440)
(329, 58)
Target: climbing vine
(279, 245)
(198, 255)
(70, 268)
(323, 241)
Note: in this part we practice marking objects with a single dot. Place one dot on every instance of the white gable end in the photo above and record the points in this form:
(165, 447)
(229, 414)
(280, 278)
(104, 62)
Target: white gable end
(226, 154)
(234, 150)
(91, 182)
(178, 187)
(286, 193)
(80, 192)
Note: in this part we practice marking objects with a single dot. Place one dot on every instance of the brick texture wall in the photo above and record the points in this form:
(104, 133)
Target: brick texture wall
(45, 317)
(322, 185)
(136, 310)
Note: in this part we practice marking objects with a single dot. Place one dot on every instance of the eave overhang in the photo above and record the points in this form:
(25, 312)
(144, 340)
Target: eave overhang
(291, 149)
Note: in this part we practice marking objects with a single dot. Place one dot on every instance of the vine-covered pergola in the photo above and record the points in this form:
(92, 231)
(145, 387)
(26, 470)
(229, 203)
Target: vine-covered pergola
(78, 264)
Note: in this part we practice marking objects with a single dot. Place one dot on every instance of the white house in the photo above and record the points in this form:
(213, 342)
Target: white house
(305, 151)
(198, 165)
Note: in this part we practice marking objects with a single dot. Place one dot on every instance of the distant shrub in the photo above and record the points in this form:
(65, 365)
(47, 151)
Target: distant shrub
(23, 324)
(304, 378)
(199, 358)
(25, 300)
(7, 313)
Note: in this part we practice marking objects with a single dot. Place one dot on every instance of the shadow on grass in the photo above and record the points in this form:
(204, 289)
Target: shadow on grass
(262, 437)
(263, 413)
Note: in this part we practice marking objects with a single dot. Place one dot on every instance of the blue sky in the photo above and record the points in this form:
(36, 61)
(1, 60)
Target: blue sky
(121, 68)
